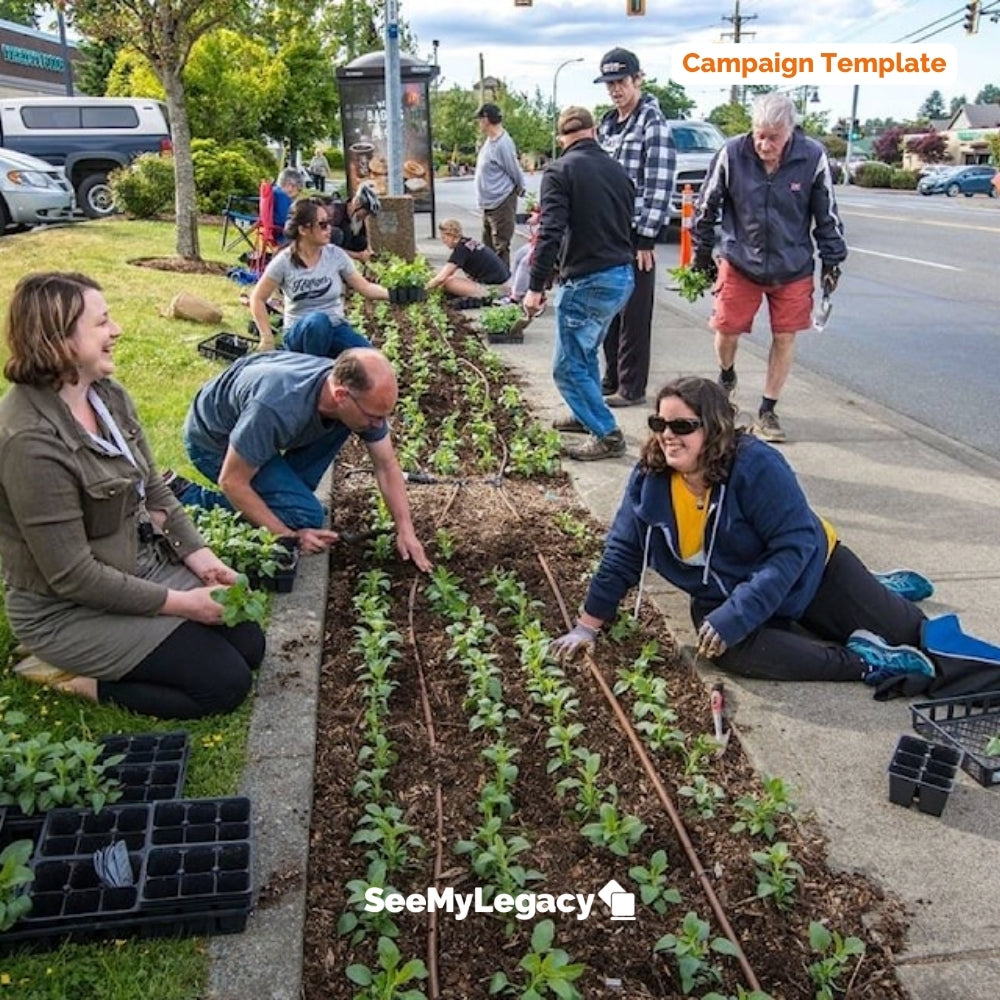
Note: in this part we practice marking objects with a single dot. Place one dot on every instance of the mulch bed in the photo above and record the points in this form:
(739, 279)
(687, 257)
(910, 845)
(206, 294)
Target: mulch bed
(510, 526)
(182, 265)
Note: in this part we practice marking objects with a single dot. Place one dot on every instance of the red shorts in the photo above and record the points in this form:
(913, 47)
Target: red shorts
(737, 300)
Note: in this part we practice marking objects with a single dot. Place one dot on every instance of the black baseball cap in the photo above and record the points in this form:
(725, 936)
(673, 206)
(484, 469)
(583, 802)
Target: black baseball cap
(618, 64)
(491, 113)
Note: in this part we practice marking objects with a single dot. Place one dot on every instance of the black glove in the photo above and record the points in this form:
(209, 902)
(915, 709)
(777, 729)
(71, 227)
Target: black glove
(831, 275)
(705, 263)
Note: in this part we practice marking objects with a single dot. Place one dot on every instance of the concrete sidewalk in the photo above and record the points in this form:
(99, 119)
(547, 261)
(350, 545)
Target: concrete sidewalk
(898, 494)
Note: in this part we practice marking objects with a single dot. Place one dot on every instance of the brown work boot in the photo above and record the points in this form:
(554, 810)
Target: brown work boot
(594, 448)
(568, 424)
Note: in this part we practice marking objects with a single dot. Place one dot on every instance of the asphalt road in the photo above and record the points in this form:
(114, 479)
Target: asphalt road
(916, 319)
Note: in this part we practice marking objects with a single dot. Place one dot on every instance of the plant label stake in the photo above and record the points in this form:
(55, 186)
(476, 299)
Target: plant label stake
(718, 718)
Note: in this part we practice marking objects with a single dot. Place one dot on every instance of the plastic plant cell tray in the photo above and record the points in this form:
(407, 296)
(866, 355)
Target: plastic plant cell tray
(968, 724)
(226, 347)
(201, 821)
(14, 825)
(69, 890)
(185, 877)
(154, 767)
(71, 832)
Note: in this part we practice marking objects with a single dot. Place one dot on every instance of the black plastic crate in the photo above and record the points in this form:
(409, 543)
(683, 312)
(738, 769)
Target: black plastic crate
(70, 832)
(967, 723)
(182, 879)
(154, 767)
(505, 338)
(201, 821)
(226, 347)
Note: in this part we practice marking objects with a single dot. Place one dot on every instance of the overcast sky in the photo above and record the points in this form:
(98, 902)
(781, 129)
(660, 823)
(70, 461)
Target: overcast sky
(525, 45)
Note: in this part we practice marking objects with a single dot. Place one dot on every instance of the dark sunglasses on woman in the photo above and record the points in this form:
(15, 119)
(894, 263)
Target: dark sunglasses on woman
(681, 426)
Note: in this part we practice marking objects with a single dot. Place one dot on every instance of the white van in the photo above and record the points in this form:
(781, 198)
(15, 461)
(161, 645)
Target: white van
(87, 136)
(32, 192)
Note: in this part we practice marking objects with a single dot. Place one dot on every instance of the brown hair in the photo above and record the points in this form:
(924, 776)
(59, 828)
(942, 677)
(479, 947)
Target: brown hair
(718, 415)
(301, 216)
(42, 315)
(350, 371)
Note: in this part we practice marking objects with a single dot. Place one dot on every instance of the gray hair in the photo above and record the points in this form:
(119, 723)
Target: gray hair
(774, 110)
(290, 176)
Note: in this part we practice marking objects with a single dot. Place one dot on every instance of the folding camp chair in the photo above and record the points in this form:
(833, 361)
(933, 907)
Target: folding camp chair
(239, 221)
(258, 231)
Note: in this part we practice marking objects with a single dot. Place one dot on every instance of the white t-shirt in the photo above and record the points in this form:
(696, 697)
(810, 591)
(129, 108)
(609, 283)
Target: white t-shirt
(312, 289)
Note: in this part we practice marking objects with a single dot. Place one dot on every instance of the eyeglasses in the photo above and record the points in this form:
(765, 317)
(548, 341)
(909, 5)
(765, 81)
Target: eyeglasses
(681, 426)
(375, 418)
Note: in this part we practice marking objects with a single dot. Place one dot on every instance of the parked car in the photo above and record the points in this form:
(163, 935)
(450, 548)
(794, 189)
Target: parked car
(32, 192)
(695, 142)
(962, 180)
(87, 136)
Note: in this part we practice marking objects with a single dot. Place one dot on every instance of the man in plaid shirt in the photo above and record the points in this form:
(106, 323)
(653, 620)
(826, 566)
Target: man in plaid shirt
(636, 134)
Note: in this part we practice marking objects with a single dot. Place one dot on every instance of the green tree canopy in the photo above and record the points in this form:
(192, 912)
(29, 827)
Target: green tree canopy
(730, 119)
(452, 124)
(990, 94)
(21, 11)
(933, 107)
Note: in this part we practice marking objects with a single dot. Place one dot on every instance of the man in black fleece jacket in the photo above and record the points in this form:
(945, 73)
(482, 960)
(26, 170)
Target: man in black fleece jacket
(586, 222)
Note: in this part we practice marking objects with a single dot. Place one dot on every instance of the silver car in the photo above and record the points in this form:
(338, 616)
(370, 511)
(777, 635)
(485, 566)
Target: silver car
(32, 192)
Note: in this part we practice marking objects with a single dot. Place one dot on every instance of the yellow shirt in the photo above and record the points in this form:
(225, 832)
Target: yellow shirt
(691, 519)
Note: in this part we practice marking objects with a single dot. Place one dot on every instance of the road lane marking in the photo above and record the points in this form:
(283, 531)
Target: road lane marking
(922, 222)
(908, 260)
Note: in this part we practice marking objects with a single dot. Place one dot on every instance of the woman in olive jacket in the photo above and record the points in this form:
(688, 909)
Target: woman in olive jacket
(107, 581)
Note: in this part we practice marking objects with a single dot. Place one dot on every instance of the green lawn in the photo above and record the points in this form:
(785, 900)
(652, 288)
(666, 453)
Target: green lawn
(158, 362)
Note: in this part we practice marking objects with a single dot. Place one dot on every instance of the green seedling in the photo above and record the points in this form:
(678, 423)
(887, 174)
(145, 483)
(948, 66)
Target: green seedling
(837, 952)
(446, 543)
(356, 922)
(589, 794)
(993, 747)
(652, 881)
(777, 874)
(390, 838)
(500, 319)
(619, 834)
(761, 814)
(549, 970)
(692, 950)
(705, 795)
(571, 525)
(14, 875)
(691, 284)
(387, 981)
(623, 627)
(240, 603)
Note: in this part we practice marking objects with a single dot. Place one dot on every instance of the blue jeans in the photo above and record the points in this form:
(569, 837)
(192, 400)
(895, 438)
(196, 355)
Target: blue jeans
(317, 333)
(287, 483)
(585, 307)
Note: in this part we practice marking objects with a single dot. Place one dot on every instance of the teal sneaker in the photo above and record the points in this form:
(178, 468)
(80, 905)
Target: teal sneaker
(907, 583)
(884, 661)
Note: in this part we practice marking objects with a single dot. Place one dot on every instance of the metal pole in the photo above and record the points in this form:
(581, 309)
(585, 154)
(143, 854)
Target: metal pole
(393, 99)
(64, 48)
(850, 135)
(555, 102)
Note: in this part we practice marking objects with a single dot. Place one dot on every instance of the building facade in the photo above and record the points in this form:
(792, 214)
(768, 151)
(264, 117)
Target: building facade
(32, 62)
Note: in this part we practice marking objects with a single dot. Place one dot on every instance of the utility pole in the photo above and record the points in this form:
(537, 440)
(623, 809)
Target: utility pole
(393, 99)
(737, 36)
(482, 82)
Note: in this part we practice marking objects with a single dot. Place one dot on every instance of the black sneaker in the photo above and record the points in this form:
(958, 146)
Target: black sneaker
(176, 484)
(728, 383)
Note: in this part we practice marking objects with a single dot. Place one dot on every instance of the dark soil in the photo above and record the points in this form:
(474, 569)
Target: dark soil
(182, 265)
(439, 775)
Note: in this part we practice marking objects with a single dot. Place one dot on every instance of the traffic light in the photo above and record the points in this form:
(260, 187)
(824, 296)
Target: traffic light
(972, 17)
(855, 130)
(635, 8)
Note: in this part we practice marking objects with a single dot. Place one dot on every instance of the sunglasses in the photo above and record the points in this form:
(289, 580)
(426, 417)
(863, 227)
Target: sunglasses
(325, 224)
(682, 426)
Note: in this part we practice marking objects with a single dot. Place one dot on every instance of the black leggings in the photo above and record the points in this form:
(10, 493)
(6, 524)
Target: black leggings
(812, 649)
(197, 670)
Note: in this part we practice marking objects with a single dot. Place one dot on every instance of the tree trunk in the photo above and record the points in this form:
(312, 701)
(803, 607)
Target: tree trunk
(184, 202)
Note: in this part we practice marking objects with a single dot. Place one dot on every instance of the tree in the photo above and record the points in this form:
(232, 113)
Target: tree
(730, 119)
(452, 123)
(956, 105)
(21, 11)
(92, 69)
(356, 27)
(930, 146)
(990, 94)
(933, 107)
(164, 31)
(133, 76)
(529, 120)
(674, 103)
(887, 146)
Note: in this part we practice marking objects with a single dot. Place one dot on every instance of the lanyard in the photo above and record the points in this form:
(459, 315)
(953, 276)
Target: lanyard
(118, 445)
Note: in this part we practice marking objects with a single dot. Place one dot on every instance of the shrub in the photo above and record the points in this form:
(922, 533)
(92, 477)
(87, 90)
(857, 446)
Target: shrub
(874, 175)
(335, 157)
(259, 155)
(904, 180)
(220, 171)
(146, 187)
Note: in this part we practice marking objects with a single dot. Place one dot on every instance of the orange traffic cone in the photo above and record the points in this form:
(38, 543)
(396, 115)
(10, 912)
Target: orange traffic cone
(687, 221)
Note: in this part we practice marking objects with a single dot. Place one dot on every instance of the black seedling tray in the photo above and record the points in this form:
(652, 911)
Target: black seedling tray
(505, 338)
(967, 723)
(70, 832)
(283, 579)
(181, 879)
(14, 825)
(154, 767)
(201, 821)
(226, 347)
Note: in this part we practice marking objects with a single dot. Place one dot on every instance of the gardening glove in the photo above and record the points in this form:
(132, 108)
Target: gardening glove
(710, 643)
(578, 640)
(831, 275)
(705, 263)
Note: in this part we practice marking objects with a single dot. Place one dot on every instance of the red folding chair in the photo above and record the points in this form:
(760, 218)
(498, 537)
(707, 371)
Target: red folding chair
(249, 219)
(265, 232)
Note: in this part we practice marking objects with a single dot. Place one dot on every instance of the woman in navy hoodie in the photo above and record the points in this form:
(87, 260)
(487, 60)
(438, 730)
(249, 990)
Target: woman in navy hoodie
(774, 593)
